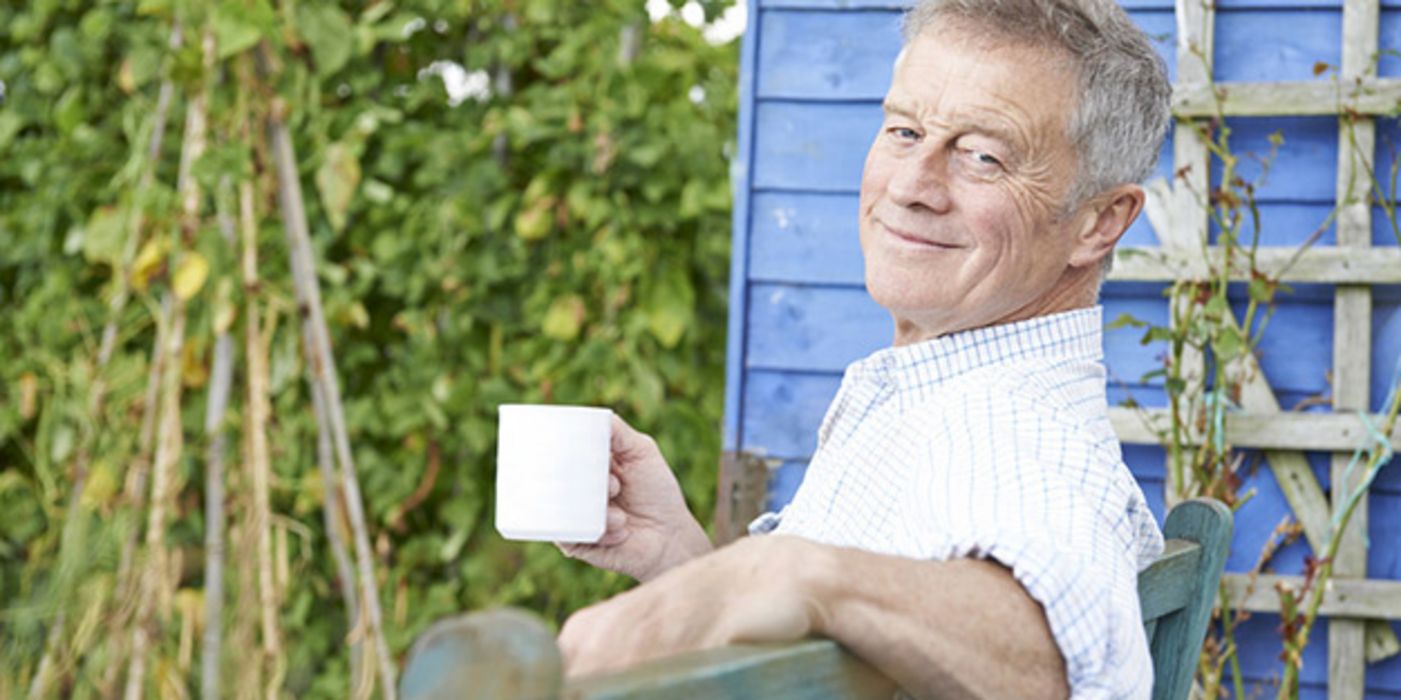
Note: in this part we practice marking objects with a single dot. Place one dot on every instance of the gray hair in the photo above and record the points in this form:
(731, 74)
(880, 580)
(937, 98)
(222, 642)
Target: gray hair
(1123, 110)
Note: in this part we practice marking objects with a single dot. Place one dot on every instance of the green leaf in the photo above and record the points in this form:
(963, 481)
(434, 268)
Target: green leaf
(1216, 307)
(1262, 290)
(670, 306)
(10, 124)
(336, 180)
(330, 34)
(1157, 334)
(1229, 345)
(102, 239)
(239, 26)
(1125, 320)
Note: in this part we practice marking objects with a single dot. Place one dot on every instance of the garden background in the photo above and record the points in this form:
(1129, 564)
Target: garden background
(553, 228)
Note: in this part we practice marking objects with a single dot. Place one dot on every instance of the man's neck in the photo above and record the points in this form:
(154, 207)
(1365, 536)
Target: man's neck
(1077, 289)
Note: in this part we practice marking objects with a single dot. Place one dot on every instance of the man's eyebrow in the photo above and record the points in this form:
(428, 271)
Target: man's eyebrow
(984, 124)
(898, 108)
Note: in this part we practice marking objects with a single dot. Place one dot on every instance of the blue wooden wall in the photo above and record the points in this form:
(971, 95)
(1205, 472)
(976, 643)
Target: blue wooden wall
(813, 75)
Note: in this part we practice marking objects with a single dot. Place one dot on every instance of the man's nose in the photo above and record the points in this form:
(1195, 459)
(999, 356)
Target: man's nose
(921, 181)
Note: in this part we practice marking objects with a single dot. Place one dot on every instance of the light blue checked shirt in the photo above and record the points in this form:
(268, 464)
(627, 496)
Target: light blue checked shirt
(995, 443)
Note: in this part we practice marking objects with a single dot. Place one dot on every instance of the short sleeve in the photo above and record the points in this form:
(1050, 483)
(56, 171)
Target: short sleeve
(1045, 502)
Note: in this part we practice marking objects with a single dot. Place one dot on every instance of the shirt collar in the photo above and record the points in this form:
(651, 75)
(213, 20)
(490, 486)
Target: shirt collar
(1071, 334)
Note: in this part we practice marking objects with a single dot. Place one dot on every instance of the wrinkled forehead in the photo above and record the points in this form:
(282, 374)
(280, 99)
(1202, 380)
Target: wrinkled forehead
(984, 35)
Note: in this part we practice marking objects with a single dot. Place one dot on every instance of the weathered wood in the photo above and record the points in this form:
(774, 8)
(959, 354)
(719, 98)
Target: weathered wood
(493, 655)
(1352, 338)
(742, 491)
(1288, 99)
(1323, 432)
(812, 669)
(1177, 641)
(1344, 597)
(1188, 229)
(1327, 265)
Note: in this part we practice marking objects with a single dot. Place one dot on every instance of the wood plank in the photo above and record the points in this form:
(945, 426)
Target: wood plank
(1375, 599)
(741, 492)
(1326, 265)
(1188, 228)
(1322, 432)
(1162, 587)
(815, 147)
(1352, 339)
(819, 669)
(1374, 96)
(1177, 641)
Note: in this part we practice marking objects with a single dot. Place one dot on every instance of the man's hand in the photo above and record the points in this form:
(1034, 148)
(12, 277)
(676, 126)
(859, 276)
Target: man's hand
(751, 591)
(650, 529)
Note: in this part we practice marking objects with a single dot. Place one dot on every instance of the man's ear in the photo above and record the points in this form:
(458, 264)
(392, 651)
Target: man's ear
(1108, 218)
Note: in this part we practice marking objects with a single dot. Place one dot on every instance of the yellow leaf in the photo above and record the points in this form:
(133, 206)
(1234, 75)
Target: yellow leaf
(190, 275)
(190, 602)
(28, 395)
(100, 488)
(147, 264)
(193, 372)
(535, 221)
(126, 80)
(564, 318)
(224, 310)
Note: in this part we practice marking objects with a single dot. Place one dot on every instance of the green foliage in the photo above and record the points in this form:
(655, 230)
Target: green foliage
(562, 238)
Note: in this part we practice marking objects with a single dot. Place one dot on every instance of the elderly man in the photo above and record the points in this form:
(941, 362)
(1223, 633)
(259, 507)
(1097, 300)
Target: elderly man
(967, 524)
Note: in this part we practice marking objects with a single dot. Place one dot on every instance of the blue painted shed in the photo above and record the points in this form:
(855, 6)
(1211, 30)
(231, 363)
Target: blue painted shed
(813, 74)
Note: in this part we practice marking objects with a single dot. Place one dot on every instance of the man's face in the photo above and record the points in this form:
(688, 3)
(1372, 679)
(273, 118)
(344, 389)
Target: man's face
(963, 192)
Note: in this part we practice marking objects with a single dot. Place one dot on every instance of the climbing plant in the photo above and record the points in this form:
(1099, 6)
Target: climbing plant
(500, 201)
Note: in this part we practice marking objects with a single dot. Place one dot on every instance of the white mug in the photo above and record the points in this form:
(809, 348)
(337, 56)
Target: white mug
(552, 472)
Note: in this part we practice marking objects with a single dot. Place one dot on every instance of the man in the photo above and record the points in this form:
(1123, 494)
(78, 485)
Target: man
(967, 524)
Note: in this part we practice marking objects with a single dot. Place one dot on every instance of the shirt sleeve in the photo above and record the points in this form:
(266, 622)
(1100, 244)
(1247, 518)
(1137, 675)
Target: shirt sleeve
(1043, 503)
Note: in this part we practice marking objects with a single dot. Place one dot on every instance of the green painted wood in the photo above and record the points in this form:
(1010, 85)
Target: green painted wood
(1177, 641)
(504, 654)
(813, 669)
(1165, 586)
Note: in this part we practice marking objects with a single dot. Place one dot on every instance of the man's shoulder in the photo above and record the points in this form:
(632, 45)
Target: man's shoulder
(1068, 392)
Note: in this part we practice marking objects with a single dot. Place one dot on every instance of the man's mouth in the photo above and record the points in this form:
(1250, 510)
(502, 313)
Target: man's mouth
(908, 238)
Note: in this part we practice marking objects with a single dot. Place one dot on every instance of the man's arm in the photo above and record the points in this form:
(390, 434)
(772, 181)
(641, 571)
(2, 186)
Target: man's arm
(956, 629)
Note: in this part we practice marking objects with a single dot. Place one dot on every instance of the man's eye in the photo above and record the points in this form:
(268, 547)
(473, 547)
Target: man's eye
(904, 133)
(987, 158)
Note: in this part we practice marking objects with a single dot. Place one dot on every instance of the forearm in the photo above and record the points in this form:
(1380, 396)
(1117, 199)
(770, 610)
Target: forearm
(964, 628)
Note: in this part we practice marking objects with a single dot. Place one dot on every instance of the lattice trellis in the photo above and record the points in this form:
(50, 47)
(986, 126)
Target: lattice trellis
(1357, 608)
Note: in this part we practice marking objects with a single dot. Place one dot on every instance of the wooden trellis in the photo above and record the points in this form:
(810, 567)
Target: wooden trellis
(1357, 608)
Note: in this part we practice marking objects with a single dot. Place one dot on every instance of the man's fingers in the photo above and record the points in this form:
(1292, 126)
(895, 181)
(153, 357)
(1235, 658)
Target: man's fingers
(615, 486)
(571, 549)
(616, 532)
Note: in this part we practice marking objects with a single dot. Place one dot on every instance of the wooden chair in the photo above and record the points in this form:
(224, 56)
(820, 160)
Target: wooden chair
(510, 654)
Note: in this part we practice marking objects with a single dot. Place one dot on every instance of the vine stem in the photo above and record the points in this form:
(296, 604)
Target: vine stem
(1288, 687)
(323, 369)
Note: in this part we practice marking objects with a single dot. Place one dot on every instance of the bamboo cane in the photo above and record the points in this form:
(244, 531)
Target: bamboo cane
(323, 369)
(256, 431)
(214, 519)
(333, 514)
(154, 586)
(97, 397)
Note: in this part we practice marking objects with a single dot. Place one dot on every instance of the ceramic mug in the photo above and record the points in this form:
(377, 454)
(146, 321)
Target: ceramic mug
(552, 472)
